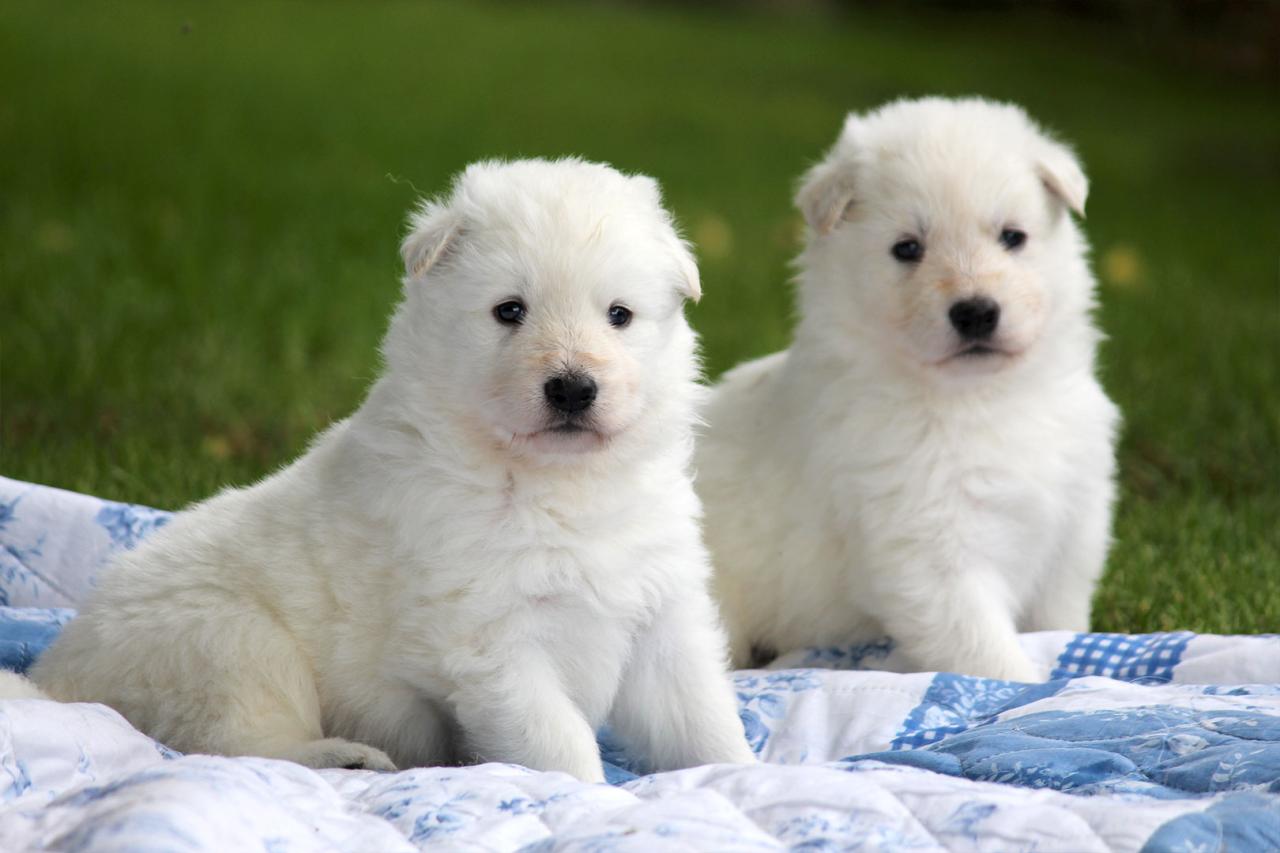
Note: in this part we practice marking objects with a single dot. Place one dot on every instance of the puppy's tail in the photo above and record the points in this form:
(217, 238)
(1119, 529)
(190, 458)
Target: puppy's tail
(14, 686)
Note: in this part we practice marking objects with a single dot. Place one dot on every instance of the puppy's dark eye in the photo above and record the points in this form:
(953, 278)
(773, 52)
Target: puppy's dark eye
(908, 251)
(1012, 238)
(619, 315)
(510, 313)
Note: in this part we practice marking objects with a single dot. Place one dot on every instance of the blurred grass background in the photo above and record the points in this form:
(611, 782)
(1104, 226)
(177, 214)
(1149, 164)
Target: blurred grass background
(200, 207)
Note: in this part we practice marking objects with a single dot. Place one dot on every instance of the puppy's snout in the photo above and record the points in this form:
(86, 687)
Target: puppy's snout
(570, 393)
(975, 319)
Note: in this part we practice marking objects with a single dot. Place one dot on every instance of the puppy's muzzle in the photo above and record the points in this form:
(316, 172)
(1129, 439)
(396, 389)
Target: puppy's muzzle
(570, 393)
(975, 319)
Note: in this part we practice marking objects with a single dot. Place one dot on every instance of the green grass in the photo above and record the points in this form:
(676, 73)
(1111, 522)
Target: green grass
(200, 207)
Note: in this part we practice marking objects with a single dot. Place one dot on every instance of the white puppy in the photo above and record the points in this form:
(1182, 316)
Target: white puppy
(933, 457)
(495, 555)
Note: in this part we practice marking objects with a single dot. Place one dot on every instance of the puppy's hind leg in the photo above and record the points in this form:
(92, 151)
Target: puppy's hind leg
(258, 697)
(330, 752)
(413, 730)
(280, 718)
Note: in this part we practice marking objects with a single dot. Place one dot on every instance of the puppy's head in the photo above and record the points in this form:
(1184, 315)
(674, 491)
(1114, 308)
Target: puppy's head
(543, 309)
(941, 230)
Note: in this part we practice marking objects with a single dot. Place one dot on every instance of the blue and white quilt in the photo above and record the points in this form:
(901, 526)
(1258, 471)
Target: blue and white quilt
(1140, 742)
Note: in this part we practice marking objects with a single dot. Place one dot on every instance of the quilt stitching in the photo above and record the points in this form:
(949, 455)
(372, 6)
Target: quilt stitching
(955, 703)
(1212, 754)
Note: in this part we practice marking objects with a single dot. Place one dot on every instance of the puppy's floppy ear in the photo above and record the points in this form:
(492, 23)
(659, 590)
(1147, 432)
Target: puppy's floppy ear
(1061, 174)
(690, 285)
(434, 229)
(825, 193)
(690, 280)
(648, 188)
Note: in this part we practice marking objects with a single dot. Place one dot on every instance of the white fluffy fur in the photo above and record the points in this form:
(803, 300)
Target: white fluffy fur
(870, 480)
(14, 686)
(441, 578)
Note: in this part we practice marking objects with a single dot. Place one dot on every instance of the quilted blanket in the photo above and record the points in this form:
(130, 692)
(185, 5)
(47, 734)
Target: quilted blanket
(1139, 742)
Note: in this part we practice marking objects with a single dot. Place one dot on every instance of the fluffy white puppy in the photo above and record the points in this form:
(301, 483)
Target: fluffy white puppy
(933, 458)
(496, 554)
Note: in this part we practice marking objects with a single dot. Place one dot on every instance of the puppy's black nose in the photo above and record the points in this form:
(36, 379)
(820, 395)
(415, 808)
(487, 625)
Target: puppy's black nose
(975, 318)
(570, 392)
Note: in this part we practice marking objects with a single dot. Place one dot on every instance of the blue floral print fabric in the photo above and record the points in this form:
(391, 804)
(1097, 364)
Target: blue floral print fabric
(1157, 742)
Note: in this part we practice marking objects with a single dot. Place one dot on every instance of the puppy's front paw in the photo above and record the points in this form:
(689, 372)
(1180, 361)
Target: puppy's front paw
(344, 754)
(1014, 669)
(736, 754)
(718, 747)
(590, 772)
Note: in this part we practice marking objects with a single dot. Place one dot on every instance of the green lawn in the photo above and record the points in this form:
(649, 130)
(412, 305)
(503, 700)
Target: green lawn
(200, 208)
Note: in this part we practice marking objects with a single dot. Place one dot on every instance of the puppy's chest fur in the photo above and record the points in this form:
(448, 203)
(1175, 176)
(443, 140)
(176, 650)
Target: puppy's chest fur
(987, 481)
(574, 580)
(543, 549)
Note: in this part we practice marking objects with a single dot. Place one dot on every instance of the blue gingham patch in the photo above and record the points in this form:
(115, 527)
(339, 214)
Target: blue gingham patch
(1148, 658)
